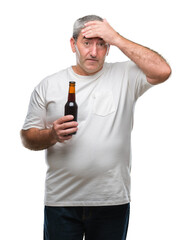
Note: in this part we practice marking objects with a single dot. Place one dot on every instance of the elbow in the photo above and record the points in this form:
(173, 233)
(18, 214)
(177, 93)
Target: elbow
(161, 76)
(23, 138)
(166, 73)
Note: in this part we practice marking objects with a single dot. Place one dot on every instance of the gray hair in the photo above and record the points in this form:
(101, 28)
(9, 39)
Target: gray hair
(79, 24)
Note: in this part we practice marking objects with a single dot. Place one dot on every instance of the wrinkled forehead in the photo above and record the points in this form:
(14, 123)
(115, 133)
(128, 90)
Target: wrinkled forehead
(83, 38)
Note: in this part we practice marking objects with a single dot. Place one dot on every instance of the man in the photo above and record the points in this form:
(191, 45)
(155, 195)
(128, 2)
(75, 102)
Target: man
(88, 178)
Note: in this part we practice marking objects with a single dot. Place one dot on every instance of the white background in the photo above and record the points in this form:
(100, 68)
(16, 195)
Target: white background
(35, 43)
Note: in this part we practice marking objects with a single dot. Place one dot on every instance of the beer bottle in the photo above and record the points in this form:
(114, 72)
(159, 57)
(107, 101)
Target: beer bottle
(71, 107)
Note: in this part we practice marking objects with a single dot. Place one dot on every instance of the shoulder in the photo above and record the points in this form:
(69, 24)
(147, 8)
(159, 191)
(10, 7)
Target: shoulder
(58, 76)
(126, 65)
(117, 64)
(52, 79)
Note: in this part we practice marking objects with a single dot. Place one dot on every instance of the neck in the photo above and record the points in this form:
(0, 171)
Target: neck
(78, 70)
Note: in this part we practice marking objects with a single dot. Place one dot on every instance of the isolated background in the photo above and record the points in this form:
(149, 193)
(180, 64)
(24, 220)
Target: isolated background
(35, 43)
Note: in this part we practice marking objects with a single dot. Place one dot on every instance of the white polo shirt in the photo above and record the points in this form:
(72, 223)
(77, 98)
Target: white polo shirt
(93, 168)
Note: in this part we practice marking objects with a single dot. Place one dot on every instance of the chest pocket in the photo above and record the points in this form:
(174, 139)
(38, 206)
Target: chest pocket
(103, 103)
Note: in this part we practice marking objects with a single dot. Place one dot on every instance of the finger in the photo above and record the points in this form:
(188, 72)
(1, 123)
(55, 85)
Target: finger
(64, 135)
(86, 29)
(64, 119)
(67, 137)
(89, 29)
(61, 140)
(67, 132)
(92, 23)
(89, 34)
(68, 125)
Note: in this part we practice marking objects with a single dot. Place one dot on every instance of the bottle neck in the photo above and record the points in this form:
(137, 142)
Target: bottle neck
(71, 95)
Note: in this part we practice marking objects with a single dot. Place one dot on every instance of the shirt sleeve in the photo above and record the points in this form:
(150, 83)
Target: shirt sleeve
(37, 110)
(138, 81)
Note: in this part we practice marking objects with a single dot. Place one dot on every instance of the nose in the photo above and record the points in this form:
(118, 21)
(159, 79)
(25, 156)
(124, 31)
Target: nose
(93, 50)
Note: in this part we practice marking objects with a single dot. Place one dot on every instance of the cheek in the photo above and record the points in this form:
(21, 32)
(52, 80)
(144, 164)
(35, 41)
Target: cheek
(102, 57)
(82, 55)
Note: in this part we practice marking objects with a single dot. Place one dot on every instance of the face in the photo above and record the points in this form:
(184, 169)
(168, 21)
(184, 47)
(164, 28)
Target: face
(90, 54)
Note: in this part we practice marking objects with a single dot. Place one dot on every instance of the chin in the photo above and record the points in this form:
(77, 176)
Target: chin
(92, 70)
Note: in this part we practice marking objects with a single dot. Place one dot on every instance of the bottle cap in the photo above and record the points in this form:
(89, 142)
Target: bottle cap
(72, 82)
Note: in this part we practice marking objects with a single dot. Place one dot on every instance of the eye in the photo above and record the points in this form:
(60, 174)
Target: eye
(101, 44)
(86, 44)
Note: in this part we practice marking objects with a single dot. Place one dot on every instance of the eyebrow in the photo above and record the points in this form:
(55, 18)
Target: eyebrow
(101, 39)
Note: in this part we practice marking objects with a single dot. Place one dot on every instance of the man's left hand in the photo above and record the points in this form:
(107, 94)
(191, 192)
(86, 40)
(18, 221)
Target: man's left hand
(102, 30)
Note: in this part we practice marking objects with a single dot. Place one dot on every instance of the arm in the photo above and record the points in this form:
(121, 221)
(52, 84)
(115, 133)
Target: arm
(36, 139)
(151, 63)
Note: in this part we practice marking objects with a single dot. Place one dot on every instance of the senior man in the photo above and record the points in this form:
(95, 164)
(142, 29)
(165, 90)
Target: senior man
(87, 190)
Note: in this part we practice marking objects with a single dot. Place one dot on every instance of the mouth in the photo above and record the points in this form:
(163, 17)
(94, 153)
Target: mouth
(92, 60)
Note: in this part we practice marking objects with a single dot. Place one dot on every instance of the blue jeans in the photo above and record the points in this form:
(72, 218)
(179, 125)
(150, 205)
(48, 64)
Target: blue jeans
(93, 223)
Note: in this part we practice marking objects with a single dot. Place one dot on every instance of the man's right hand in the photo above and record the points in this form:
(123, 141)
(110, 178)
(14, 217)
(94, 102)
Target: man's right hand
(39, 139)
(62, 127)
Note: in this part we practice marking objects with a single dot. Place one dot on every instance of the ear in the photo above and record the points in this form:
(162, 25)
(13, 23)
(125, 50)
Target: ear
(72, 41)
(108, 47)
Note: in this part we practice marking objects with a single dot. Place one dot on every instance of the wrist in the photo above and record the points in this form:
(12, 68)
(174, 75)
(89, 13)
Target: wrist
(52, 137)
(117, 41)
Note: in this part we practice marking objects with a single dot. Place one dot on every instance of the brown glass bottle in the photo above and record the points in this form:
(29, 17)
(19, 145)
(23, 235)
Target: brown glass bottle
(71, 107)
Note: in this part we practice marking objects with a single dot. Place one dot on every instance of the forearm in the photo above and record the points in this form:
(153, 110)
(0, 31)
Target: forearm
(62, 130)
(36, 139)
(150, 62)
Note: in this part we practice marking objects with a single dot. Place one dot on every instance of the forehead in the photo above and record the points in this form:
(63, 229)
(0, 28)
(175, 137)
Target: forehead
(81, 38)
